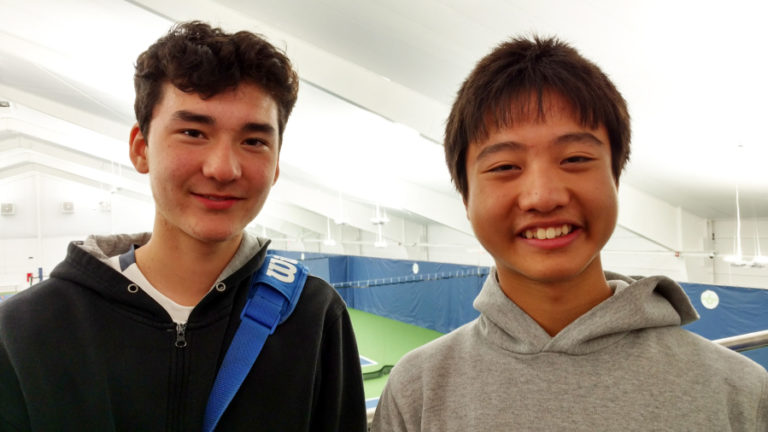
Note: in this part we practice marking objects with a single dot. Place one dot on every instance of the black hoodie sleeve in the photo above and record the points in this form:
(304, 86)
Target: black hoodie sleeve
(341, 399)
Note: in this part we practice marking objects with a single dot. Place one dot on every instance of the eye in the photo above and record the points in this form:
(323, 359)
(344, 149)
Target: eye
(255, 142)
(192, 133)
(577, 159)
(505, 168)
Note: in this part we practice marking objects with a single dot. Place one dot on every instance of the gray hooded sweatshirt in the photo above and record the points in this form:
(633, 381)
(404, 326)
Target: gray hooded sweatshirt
(626, 365)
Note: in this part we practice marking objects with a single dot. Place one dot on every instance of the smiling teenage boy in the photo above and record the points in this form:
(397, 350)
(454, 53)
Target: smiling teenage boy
(130, 331)
(535, 143)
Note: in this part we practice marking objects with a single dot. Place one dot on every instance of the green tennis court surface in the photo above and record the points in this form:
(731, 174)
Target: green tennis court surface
(382, 342)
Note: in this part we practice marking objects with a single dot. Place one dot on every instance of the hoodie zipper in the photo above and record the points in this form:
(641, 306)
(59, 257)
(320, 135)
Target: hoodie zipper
(178, 380)
(181, 337)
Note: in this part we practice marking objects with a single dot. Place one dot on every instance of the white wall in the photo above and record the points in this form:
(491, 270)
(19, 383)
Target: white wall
(37, 235)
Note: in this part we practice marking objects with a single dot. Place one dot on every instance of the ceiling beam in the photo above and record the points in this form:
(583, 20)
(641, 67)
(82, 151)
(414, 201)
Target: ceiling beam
(365, 88)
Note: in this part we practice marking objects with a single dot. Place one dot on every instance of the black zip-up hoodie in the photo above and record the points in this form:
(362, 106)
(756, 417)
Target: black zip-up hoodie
(86, 351)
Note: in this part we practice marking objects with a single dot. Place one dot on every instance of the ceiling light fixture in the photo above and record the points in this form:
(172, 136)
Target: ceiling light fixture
(329, 241)
(380, 242)
(339, 219)
(737, 260)
(380, 218)
(758, 260)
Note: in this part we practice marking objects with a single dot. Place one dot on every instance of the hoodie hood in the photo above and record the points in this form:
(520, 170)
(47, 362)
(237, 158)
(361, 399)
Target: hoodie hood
(104, 247)
(636, 304)
(87, 266)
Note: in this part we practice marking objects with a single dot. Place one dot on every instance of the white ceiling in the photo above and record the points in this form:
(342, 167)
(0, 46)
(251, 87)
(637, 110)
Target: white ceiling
(693, 74)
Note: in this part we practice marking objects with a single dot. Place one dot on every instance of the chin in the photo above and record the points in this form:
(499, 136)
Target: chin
(559, 273)
(216, 236)
(548, 271)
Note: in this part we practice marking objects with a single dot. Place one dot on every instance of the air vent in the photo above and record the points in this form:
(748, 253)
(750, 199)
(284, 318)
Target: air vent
(67, 207)
(7, 209)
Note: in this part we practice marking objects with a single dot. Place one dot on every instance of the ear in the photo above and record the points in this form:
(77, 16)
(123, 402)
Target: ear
(277, 169)
(277, 173)
(138, 150)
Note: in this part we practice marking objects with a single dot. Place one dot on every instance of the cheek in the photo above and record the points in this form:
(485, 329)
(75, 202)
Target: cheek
(484, 211)
(259, 180)
(168, 171)
(173, 160)
(607, 205)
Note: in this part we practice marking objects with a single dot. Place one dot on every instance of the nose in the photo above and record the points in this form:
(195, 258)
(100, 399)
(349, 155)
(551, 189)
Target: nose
(221, 163)
(542, 191)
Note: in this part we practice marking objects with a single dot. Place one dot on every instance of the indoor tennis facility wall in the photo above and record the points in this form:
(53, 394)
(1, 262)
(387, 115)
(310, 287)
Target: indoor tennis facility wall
(439, 296)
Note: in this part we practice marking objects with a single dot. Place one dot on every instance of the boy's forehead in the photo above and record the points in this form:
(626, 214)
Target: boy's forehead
(532, 107)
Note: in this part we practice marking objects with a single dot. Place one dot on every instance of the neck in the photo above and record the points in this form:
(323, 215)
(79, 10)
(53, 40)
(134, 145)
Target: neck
(182, 268)
(556, 304)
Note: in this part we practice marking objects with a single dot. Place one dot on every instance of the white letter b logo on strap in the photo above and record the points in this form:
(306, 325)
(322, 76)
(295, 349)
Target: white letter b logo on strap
(281, 270)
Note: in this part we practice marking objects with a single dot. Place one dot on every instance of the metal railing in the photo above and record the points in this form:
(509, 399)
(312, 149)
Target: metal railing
(745, 342)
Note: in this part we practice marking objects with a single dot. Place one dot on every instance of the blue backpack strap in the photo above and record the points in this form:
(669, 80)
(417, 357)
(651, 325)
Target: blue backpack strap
(275, 289)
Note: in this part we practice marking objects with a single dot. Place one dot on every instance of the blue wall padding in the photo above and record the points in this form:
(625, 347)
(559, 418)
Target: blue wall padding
(435, 304)
(440, 296)
(436, 297)
(741, 310)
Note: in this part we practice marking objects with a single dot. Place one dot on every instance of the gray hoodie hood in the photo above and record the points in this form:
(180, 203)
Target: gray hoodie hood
(105, 246)
(635, 305)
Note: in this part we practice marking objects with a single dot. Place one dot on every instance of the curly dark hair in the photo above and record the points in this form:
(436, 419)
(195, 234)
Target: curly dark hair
(499, 90)
(198, 58)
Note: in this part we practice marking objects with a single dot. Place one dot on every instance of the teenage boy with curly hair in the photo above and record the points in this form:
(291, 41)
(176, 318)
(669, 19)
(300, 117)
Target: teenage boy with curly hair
(130, 331)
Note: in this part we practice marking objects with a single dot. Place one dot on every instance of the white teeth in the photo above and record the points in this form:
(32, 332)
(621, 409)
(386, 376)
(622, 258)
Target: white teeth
(547, 233)
(550, 233)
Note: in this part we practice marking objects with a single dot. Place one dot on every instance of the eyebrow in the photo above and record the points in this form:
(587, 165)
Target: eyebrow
(259, 127)
(585, 137)
(192, 117)
(578, 137)
(499, 147)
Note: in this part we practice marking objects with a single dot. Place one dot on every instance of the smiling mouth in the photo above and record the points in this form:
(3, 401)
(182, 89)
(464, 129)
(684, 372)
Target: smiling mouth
(547, 233)
(217, 197)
